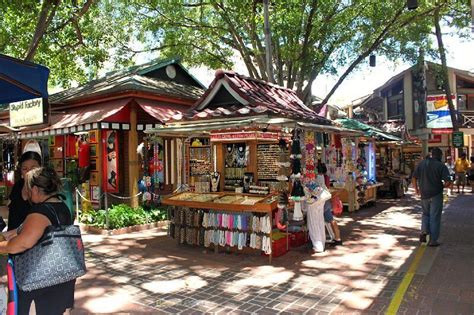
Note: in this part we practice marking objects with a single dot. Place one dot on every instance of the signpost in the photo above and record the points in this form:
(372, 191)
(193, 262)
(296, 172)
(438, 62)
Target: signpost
(458, 139)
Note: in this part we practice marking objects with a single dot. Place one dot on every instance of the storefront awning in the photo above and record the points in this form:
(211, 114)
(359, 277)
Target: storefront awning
(368, 131)
(80, 119)
(5, 128)
(163, 112)
(186, 127)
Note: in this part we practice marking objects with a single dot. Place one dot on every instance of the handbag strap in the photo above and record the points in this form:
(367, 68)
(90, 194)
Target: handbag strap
(53, 210)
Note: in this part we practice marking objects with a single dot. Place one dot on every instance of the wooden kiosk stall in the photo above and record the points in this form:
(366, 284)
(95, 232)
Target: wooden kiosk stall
(361, 188)
(231, 136)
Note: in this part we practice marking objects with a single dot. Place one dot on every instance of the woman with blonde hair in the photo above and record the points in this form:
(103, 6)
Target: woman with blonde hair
(43, 186)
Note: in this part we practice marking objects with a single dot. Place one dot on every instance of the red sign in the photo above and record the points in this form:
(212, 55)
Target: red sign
(435, 138)
(442, 131)
(245, 135)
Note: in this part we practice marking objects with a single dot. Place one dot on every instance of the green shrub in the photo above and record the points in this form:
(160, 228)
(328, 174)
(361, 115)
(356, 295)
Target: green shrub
(123, 215)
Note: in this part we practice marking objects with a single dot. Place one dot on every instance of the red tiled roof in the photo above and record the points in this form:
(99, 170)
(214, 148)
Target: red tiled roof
(252, 97)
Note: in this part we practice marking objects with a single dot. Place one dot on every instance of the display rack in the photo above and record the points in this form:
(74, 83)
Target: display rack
(189, 225)
(200, 164)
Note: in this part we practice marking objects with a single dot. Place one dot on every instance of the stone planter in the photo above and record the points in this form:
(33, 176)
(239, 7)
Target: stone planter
(129, 229)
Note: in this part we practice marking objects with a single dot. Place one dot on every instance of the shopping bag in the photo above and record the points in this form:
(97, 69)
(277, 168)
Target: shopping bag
(337, 206)
(12, 306)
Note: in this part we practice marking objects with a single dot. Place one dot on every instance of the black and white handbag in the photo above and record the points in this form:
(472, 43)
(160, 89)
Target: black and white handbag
(58, 257)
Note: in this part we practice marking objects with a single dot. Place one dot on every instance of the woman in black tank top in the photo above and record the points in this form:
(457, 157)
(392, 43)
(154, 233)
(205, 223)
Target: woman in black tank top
(43, 186)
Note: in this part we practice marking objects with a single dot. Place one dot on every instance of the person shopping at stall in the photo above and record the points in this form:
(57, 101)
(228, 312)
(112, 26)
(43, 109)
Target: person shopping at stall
(430, 177)
(42, 186)
(471, 174)
(18, 204)
(461, 167)
(329, 218)
(450, 165)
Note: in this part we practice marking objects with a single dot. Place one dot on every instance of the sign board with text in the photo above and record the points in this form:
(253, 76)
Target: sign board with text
(458, 139)
(29, 112)
(437, 111)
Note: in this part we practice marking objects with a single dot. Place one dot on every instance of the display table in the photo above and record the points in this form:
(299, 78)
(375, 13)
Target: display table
(352, 199)
(223, 219)
(393, 186)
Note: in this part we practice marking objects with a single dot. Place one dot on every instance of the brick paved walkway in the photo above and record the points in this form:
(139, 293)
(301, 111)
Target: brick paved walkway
(147, 273)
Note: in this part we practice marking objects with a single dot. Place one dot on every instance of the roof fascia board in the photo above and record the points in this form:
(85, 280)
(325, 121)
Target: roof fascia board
(221, 83)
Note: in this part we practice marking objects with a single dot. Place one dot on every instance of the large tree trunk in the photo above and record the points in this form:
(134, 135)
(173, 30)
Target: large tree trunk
(268, 43)
(444, 70)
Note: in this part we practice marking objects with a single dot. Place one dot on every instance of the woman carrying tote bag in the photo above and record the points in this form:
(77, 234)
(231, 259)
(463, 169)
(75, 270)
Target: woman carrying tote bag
(47, 212)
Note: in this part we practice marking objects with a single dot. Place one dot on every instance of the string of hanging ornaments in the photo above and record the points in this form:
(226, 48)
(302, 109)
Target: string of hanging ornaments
(284, 166)
(297, 191)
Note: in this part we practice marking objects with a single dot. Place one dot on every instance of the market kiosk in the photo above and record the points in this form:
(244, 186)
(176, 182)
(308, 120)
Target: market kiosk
(238, 136)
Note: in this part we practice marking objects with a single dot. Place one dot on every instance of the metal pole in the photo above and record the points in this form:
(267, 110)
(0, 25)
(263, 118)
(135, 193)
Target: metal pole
(106, 212)
(77, 205)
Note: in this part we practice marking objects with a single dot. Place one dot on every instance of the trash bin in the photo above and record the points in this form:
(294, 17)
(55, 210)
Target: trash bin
(67, 192)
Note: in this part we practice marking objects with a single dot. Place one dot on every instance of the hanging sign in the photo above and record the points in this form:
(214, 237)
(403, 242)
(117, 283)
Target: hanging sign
(437, 111)
(245, 135)
(458, 139)
(111, 153)
(29, 112)
(442, 131)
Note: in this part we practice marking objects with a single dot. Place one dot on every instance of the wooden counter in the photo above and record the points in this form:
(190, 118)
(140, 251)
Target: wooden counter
(350, 198)
(223, 202)
(267, 204)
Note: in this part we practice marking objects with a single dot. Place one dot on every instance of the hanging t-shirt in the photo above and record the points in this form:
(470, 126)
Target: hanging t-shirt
(84, 154)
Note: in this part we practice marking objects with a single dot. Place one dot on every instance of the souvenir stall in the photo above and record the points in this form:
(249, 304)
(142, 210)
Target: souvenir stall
(231, 193)
(391, 170)
(360, 160)
(261, 167)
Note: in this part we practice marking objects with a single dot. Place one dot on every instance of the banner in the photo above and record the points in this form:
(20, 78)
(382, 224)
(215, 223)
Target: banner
(111, 173)
(437, 111)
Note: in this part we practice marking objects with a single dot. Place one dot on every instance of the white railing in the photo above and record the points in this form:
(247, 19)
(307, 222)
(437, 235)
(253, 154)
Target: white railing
(467, 118)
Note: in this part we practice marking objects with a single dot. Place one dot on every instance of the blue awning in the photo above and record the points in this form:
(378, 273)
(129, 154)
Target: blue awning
(21, 80)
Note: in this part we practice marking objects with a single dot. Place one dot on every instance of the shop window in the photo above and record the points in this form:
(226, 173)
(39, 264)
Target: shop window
(461, 104)
(395, 108)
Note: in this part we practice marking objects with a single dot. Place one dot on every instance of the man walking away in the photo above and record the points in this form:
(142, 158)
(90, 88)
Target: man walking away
(431, 176)
(461, 167)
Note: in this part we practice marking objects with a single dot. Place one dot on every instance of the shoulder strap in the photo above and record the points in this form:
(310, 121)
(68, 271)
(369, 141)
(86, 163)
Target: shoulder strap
(53, 210)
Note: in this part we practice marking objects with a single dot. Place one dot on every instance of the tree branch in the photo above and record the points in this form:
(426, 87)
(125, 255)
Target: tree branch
(44, 20)
(379, 39)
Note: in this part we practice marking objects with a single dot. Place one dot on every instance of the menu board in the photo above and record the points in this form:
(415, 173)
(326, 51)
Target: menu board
(267, 156)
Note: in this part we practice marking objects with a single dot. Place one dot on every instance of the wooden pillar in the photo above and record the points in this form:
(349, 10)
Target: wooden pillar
(133, 157)
(220, 164)
(252, 162)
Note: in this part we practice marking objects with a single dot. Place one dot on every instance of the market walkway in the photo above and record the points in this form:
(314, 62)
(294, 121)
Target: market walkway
(147, 273)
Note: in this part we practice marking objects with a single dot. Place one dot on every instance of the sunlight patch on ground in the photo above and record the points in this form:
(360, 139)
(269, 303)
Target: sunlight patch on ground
(351, 259)
(264, 279)
(168, 286)
(194, 282)
(109, 304)
(402, 219)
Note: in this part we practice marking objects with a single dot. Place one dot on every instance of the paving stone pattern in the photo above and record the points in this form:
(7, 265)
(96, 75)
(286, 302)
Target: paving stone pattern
(148, 273)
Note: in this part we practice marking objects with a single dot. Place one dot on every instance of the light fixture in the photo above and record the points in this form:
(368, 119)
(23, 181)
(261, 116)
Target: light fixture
(412, 4)
(372, 60)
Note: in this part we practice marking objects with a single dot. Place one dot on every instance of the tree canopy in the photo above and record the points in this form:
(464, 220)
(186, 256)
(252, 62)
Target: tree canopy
(309, 37)
(73, 38)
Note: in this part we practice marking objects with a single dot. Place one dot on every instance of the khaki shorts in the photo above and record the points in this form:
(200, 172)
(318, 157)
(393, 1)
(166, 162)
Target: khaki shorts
(461, 179)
